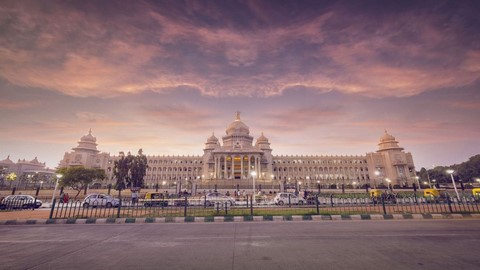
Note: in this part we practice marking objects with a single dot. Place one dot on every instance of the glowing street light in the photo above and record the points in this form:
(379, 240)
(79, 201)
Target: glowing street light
(377, 174)
(254, 174)
(388, 181)
(418, 182)
(453, 182)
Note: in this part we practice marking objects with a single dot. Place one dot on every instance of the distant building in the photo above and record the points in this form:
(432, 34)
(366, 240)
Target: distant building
(29, 173)
(86, 154)
(237, 161)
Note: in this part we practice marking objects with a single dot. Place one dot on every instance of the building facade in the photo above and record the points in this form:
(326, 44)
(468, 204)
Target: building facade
(28, 173)
(239, 161)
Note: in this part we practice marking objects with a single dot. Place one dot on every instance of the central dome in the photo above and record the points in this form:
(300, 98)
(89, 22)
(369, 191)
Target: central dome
(237, 127)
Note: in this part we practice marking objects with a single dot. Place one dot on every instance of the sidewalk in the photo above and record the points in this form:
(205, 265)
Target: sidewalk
(41, 217)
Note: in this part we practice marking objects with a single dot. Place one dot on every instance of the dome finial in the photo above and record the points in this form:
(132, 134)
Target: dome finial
(238, 116)
(90, 131)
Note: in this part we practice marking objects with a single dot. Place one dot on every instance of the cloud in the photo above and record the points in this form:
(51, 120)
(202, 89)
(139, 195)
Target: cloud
(186, 117)
(299, 118)
(236, 49)
(18, 104)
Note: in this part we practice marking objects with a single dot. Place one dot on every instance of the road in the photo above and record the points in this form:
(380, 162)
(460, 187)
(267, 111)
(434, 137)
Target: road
(402, 244)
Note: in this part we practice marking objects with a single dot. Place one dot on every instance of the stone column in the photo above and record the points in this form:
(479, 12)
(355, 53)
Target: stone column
(241, 167)
(224, 167)
(232, 170)
(215, 173)
(249, 166)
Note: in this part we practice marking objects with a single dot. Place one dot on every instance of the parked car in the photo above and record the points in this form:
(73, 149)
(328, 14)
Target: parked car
(283, 198)
(216, 197)
(20, 201)
(100, 200)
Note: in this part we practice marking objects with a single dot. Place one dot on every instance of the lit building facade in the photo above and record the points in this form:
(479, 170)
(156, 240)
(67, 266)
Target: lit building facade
(29, 173)
(239, 160)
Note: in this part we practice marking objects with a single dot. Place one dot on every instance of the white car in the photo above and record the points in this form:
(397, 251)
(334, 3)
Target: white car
(20, 201)
(283, 198)
(216, 197)
(100, 200)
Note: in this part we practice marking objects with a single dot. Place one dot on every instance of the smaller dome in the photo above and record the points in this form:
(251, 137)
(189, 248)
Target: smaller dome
(262, 139)
(88, 137)
(387, 137)
(212, 139)
(7, 160)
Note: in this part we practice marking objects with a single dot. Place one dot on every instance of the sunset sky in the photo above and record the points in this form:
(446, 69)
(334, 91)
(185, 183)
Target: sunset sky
(316, 77)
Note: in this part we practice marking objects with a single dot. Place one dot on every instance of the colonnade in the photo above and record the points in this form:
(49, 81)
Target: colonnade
(236, 166)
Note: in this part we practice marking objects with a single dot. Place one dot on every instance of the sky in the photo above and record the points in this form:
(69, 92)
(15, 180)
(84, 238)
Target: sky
(316, 77)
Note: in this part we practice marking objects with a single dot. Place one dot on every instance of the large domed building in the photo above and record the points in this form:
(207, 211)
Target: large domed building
(236, 161)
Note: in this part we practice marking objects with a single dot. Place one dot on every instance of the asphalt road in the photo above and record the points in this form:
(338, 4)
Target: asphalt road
(437, 244)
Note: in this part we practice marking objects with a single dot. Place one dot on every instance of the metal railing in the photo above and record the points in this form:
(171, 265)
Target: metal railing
(264, 206)
(19, 204)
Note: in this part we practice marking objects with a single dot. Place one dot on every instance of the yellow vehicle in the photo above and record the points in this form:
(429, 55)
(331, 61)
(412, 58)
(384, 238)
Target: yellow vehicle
(154, 199)
(476, 194)
(377, 194)
(435, 195)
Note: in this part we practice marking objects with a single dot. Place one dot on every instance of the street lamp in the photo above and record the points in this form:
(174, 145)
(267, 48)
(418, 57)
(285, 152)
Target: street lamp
(453, 182)
(56, 185)
(377, 173)
(389, 181)
(418, 182)
(254, 174)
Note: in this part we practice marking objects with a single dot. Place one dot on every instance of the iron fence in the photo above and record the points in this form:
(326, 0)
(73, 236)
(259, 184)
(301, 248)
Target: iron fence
(264, 206)
(19, 202)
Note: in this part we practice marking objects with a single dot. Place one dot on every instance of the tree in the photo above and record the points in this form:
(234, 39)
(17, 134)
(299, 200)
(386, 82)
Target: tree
(79, 177)
(130, 170)
(469, 170)
(138, 170)
(121, 171)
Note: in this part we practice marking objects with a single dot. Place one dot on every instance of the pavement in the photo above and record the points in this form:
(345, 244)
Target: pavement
(333, 244)
(216, 219)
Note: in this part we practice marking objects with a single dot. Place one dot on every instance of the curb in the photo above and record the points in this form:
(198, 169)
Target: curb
(234, 219)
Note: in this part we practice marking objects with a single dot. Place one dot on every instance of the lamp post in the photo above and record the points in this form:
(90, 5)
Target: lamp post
(418, 182)
(254, 174)
(388, 181)
(56, 185)
(377, 173)
(453, 182)
(308, 181)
